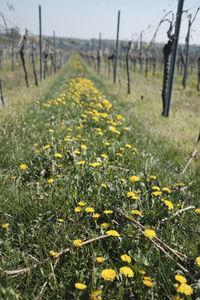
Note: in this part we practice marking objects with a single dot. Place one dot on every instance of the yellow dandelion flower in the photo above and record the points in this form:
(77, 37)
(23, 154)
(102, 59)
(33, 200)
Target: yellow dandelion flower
(108, 274)
(166, 189)
(6, 225)
(58, 155)
(155, 188)
(169, 204)
(112, 233)
(177, 298)
(80, 286)
(77, 152)
(122, 180)
(136, 212)
(148, 283)
(95, 216)
(157, 193)
(105, 225)
(77, 209)
(149, 233)
(59, 166)
(82, 162)
(46, 147)
(51, 180)
(51, 130)
(118, 154)
(13, 177)
(180, 278)
(179, 184)
(143, 272)
(197, 210)
(104, 155)
(100, 259)
(198, 261)
(126, 258)
(128, 146)
(130, 218)
(23, 166)
(104, 185)
(60, 220)
(89, 209)
(126, 271)
(83, 147)
(36, 144)
(186, 289)
(96, 295)
(107, 212)
(54, 254)
(77, 243)
(95, 164)
(81, 203)
(134, 178)
(152, 177)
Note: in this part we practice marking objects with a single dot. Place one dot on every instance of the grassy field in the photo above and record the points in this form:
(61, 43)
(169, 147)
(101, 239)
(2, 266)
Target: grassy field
(92, 201)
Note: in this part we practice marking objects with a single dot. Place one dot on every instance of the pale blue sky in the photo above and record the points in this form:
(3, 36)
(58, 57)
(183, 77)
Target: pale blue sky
(86, 18)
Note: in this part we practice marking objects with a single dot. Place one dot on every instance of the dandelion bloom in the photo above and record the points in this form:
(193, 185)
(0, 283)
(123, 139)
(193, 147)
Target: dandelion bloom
(77, 209)
(95, 164)
(166, 189)
(134, 178)
(136, 212)
(180, 278)
(143, 272)
(198, 261)
(23, 166)
(122, 180)
(186, 289)
(54, 254)
(149, 233)
(104, 155)
(80, 286)
(155, 188)
(83, 147)
(95, 216)
(126, 258)
(100, 259)
(46, 147)
(108, 212)
(6, 225)
(77, 152)
(112, 233)
(89, 209)
(148, 283)
(169, 204)
(104, 185)
(82, 162)
(81, 203)
(105, 225)
(96, 295)
(126, 271)
(60, 220)
(197, 210)
(108, 274)
(107, 144)
(77, 243)
(51, 180)
(152, 177)
(157, 193)
(58, 155)
(130, 218)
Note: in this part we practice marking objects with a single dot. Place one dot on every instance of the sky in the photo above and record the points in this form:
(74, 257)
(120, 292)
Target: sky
(86, 18)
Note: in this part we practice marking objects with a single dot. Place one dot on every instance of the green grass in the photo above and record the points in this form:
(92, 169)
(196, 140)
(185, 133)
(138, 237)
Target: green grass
(32, 205)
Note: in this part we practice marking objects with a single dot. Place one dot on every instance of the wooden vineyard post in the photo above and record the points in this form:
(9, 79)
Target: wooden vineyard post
(40, 41)
(13, 49)
(117, 48)
(140, 55)
(173, 58)
(33, 64)
(198, 79)
(99, 55)
(187, 53)
(1, 93)
(21, 47)
(54, 51)
(128, 66)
